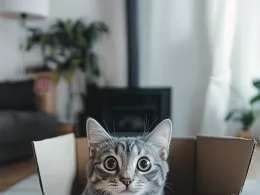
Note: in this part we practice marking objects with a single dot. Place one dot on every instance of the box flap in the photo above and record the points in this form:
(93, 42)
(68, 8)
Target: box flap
(181, 178)
(56, 164)
(82, 159)
(222, 164)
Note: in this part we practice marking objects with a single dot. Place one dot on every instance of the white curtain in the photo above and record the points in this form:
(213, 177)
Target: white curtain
(235, 63)
(200, 49)
(221, 25)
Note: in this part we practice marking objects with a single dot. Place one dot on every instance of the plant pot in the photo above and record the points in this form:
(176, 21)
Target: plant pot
(66, 128)
(245, 134)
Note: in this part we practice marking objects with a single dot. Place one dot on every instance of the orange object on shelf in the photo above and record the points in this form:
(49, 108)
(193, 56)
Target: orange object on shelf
(46, 89)
(65, 129)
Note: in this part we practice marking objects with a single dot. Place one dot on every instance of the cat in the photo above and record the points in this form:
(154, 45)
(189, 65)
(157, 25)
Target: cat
(127, 166)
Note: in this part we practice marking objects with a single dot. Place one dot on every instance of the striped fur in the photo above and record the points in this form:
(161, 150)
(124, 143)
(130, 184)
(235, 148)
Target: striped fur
(127, 152)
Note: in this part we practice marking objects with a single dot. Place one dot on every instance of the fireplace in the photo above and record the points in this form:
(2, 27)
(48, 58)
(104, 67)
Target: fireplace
(127, 111)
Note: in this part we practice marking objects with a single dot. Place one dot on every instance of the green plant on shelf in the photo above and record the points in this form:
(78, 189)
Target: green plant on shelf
(67, 46)
(256, 98)
(245, 117)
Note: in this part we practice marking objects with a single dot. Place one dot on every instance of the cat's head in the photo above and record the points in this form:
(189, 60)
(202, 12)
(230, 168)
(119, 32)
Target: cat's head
(128, 165)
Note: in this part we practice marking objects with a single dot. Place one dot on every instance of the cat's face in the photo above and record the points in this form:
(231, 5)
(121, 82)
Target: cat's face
(127, 165)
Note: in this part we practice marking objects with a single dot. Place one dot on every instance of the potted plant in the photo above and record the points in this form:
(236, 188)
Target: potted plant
(256, 98)
(245, 117)
(68, 46)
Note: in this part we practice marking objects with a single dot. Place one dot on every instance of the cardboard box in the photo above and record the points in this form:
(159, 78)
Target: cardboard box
(201, 165)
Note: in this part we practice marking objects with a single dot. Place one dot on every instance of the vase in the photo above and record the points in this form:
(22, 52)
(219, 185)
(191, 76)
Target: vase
(245, 134)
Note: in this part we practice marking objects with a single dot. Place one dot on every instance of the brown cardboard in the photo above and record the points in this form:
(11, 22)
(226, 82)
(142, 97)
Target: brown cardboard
(181, 178)
(202, 165)
(82, 158)
(222, 164)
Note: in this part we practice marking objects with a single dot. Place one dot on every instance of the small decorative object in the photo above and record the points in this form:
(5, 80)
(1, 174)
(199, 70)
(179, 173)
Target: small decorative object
(45, 88)
(43, 84)
(245, 117)
(68, 46)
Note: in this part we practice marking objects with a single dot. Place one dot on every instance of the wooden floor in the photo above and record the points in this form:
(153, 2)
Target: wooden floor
(254, 170)
(10, 175)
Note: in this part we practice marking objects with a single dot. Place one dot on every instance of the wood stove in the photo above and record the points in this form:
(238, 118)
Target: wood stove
(129, 110)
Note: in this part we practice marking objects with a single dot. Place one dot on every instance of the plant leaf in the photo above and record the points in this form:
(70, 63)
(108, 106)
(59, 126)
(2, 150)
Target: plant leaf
(43, 38)
(59, 25)
(69, 76)
(68, 26)
(52, 51)
(29, 43)
(232, 112)
(34, 30)
(56, 77)
(93, 64)
(255, 99)
(52, 59)
(257, 84)
(94, 31)
(247, 119)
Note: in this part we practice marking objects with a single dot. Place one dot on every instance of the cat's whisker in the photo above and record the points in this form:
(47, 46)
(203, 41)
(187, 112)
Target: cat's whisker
(93, 191)
(108, 137)
(147, 128)
(90, 192)
(168, 187)
(144, 129)
(114, 129)
(106, 127)
(98, 192)
(147, 123)
(152, 124)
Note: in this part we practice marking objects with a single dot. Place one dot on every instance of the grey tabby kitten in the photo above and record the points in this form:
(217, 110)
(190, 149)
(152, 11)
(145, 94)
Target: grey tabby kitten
(127, 166)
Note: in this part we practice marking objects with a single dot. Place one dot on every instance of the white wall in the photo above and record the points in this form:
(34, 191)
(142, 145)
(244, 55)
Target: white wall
(112, 48)
(174, 52)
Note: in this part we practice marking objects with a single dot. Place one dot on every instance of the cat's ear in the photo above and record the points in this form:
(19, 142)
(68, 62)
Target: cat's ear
(161, 137)
(95, 132)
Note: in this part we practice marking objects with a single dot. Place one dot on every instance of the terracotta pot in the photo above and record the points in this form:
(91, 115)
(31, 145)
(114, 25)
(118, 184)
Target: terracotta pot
(65, 129)
(245, 134)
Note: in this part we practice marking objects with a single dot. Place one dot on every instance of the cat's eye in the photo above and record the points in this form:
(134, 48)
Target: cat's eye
(110, 163)
(144, 164)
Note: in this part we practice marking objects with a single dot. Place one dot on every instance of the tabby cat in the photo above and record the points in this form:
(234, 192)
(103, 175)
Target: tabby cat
(127, 166)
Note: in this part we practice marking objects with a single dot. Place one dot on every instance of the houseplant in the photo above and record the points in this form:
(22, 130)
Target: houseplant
(68, 46)
(245, 117)
(256, 98)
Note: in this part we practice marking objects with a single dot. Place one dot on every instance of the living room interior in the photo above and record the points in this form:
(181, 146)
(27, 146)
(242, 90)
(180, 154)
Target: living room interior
(129, 64)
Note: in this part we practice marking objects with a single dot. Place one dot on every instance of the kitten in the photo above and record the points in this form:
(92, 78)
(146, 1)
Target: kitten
(127, 166)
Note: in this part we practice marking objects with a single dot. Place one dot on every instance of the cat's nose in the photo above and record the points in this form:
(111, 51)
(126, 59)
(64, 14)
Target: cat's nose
(126, 181)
